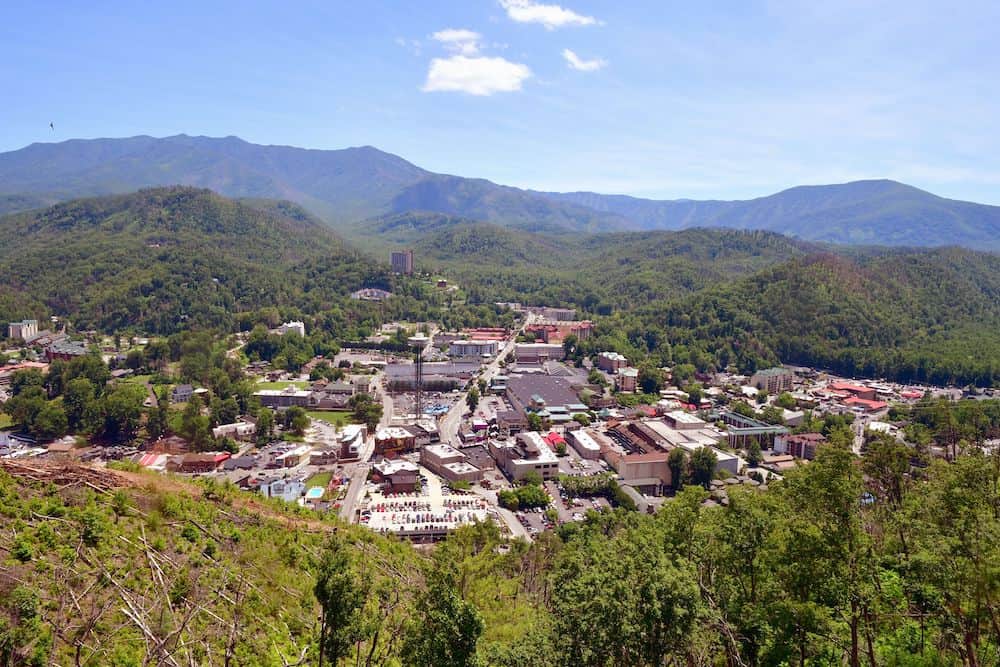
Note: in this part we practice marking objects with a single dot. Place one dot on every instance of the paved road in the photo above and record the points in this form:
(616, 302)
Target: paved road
(449, 424)
(515, 527)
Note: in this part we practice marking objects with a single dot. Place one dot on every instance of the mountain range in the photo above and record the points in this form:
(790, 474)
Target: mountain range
(344, 187)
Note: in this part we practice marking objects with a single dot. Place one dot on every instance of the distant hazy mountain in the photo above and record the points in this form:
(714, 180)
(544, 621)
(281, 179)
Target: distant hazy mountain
(879, 212)
(346, 186)
(340, 186)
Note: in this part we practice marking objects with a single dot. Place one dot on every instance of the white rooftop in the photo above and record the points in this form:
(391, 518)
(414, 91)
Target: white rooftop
(583, 440)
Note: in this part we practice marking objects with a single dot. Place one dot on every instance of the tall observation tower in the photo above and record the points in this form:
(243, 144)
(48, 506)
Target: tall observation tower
(418, 343)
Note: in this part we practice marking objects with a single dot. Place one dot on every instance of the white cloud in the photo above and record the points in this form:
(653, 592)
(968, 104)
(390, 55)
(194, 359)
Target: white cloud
(550, 16)
(475, 76)
(459, 40)
(577, 63)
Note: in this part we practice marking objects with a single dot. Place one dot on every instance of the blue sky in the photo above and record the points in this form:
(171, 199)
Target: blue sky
(658, 99)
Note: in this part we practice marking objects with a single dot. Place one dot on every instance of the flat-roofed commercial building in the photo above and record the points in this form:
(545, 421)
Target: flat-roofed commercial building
(584, 443)
(473, 348)
(449, 463)
(283, 398)
(527, 453)
(540, 392)
(392, 441)
(536, 353)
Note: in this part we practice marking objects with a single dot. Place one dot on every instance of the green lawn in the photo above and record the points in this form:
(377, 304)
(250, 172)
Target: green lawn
(5, 420)
(338, 419)
(280, 385)
(138, 379)
(321, 479)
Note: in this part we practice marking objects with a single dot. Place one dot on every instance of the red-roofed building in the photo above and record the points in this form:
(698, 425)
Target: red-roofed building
(865, 404)
(554, 439)
(556, 332)
(912, 395)
(856, 390)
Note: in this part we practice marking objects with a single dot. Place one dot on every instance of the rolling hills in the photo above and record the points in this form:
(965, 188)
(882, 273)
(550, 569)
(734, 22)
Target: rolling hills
(346, 186)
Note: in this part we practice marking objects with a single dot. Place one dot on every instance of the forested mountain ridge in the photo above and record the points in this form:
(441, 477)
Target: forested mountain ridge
(922, 316)
(165, 258)
(350, 185)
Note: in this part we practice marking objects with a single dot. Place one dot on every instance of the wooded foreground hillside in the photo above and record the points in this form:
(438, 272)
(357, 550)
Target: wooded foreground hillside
(844, 562)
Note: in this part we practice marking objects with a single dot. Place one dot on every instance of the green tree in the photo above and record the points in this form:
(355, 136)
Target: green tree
(445, 629)
(158, 419)
(772, 414)
(702, 465)
(366, 410)
(79, 399)
(123, 409)
(265, 425)
(50, 422)
(472, 398)
(297, 419)
(677, 461)
(754, 454)
(341, 594)
(785, 400)
(650, 378)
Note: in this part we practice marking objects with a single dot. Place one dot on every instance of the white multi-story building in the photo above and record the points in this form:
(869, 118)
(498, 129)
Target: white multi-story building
(25, 329)
(293, 327)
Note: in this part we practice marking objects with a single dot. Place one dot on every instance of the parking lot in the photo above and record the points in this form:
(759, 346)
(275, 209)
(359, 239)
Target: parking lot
(434, 506)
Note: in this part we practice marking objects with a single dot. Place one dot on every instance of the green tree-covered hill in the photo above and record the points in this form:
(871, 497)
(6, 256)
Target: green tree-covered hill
(159, 258)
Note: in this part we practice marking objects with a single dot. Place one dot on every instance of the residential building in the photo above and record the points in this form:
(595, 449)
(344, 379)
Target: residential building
(324, 456)
(684, 421)
(237, 431)
(473, 348)
(294, 327)
(854, 390)
(293, 457)
(801, 446)
(352, 441)
(24, 330)
(742, 431)
(627, 379)
(289, 490)
(181, 393)
(197, 463)
(865, 405)
(773, 380)
(371, 294)
(542, 393)
(611, 362)
(556, 332)
(402, 262)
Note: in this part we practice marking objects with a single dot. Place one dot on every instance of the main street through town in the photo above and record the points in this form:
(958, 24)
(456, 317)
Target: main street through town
(448, 427)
